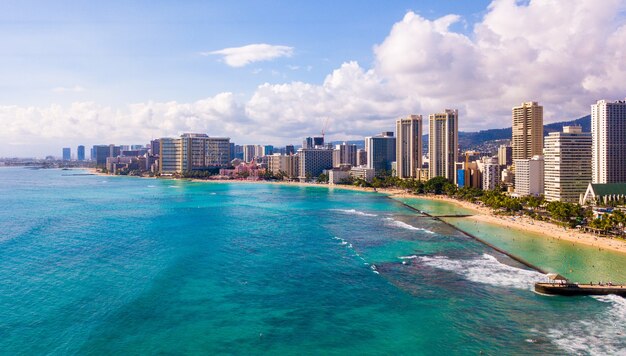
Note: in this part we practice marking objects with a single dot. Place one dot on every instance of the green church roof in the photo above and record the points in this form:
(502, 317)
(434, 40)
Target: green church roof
(609, 189)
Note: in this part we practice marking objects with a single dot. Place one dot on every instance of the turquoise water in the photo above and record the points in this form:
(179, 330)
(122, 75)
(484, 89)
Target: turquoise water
(115, 265)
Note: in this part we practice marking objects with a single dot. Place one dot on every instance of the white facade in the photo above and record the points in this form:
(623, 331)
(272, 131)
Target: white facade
(529, 176)
(443, 144)
(490, 173)
(285, 164)
(344, 154)
(608, 131)
(249, 153)
(567, 158)
(313, 161)
(408, 146)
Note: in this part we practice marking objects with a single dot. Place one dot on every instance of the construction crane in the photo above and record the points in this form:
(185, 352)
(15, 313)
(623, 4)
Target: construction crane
(324, 129)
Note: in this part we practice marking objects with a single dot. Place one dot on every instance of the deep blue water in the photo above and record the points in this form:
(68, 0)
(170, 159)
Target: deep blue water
(116, 265)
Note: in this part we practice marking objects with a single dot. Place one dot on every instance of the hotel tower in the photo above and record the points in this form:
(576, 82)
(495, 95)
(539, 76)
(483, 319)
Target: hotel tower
(443, 144)
(608, 134)
(408, 146)
(527, 130)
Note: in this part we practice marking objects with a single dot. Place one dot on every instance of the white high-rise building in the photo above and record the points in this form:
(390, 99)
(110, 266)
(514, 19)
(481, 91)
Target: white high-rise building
(529, 176)
(284, 164)
(443, 144)
(567, 158)
(249, 152)
(408, 146)
(608, 132)
(490, 173)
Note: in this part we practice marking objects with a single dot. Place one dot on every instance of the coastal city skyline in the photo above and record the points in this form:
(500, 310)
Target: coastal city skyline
(274, 88)
(272, 177)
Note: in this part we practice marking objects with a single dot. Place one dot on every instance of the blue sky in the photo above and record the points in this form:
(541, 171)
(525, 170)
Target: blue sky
(273, 72)
(132, 51)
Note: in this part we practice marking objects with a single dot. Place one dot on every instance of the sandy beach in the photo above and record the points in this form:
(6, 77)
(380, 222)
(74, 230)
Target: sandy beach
(524, 223)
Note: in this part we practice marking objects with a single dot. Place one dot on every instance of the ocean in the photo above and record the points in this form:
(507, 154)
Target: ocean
(120, 265)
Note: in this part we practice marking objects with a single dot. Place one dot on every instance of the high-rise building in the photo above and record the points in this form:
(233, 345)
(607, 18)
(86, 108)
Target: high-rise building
(80, 153)
(67, 154)
(567, 158)
(443, 144)
(284, 164)
(170, 157)
(529, 176)
(100, 153)
(307, 142)
(527, 140)
(361, 157)
(381, 152)
(155, 147)
(505, 155)
(344, 154)
(608, 132)
(290, 150)
(408, 146)
(248, 153)
(199, 151)
(490, 173)
(318, 142)
(268, 150)
(313, 161)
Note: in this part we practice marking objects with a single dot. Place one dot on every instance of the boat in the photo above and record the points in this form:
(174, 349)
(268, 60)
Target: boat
(559, 285)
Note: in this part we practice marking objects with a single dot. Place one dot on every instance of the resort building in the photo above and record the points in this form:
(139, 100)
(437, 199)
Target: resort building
(527, 140)
(344, 154)
(408, 146)
(313, 161)
(381, 151)
(199, 151)
(490, 173)
(567, 157)
(443, 144)
(170, 158)
(248, 153)
(608, 132)
(505, 155)
(288, 165)
(99, 154)
(529, 176)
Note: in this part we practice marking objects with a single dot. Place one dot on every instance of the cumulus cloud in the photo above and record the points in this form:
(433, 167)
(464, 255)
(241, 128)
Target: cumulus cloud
(242, 56)
(74, 89)
(565, 54)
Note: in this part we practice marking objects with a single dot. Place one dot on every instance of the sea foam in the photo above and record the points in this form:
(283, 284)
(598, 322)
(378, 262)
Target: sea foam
(354, 212)
(602, 334)
(487, 270)
(404, 225)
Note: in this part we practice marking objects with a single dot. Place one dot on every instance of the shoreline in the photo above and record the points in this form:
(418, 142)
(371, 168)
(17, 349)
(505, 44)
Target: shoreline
(483, 214)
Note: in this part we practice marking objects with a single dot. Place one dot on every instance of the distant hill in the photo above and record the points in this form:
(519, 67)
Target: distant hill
(472, 140)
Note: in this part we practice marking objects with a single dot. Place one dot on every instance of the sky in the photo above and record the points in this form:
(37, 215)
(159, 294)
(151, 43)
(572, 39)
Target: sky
(273, 72)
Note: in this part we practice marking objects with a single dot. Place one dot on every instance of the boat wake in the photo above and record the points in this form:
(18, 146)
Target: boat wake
(404, 225)
(487, 270)
(604, 334)
(354, 212)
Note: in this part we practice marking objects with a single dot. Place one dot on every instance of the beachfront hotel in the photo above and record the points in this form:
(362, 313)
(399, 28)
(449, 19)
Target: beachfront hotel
(313, 161)
(529, 176)
(443, 144)
(567, 158)
(608, 132)
(408, 146)
(381, 151)
(527, 139)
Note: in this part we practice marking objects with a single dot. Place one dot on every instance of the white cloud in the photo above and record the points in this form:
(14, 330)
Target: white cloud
(242, 56)
(565, 54)
(74, 89)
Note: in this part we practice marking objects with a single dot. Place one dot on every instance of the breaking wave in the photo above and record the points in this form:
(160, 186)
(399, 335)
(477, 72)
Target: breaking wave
(354, 212)
(603, 334)
(404, 225)
(487, 270)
